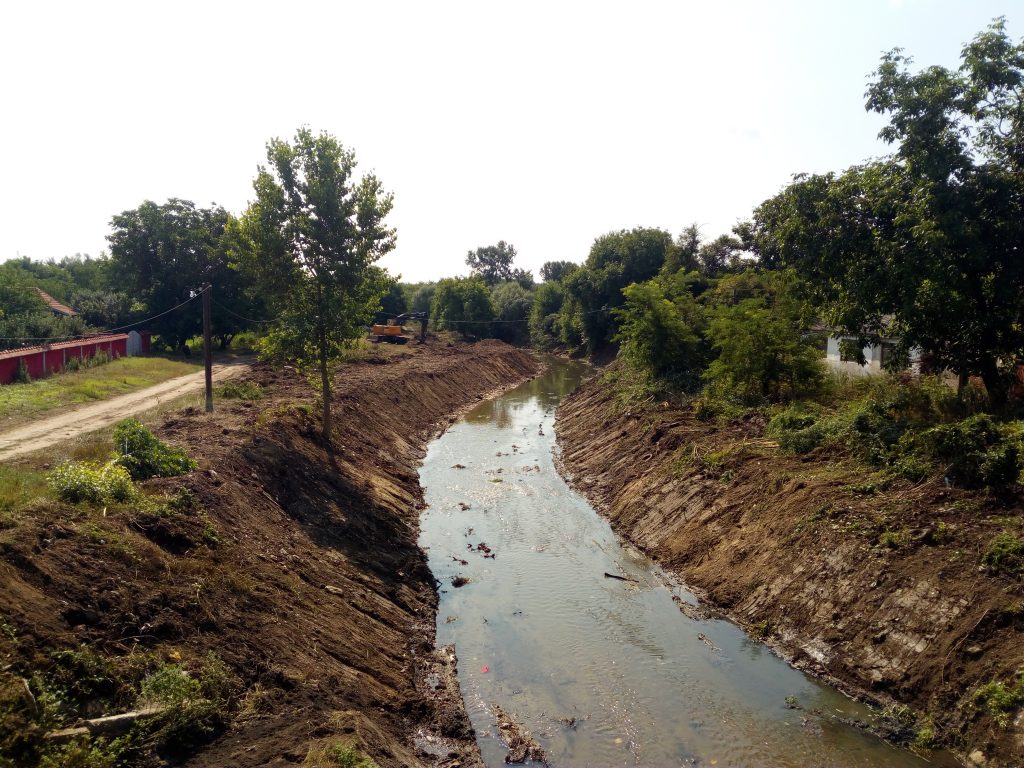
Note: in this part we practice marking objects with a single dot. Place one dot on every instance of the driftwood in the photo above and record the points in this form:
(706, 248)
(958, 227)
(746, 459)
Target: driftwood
(620, 578)
(112, 725)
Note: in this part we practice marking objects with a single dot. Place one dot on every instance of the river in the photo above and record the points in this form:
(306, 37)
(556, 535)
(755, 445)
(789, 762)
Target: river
(602, 671)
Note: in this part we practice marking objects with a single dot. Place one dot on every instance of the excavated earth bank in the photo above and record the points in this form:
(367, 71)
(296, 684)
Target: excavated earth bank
(789, 547)
(298, 568)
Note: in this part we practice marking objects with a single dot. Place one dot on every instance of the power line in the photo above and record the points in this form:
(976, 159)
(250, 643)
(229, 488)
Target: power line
(241, 317)
(111, 330)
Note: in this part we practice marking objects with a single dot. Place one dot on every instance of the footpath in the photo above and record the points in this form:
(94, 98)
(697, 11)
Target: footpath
(81, 419)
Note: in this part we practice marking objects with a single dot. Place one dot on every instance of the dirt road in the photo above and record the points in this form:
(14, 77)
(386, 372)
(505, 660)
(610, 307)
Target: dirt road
(86, 418)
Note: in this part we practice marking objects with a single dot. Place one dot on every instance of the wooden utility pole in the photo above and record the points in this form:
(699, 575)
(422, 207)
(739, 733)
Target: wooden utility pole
(208, 345)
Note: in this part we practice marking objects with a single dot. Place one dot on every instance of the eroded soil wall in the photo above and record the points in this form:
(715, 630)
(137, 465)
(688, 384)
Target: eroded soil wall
(298, 567)
(792, 548)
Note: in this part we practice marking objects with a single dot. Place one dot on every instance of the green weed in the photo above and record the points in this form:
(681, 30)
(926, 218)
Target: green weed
(144, 455)
(1005, 554)
(1001, 700)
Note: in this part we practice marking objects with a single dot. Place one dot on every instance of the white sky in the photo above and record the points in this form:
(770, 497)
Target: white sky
(542, 124)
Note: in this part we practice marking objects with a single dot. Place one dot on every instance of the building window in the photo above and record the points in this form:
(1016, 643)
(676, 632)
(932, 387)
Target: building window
(849, 351)
(888, 352)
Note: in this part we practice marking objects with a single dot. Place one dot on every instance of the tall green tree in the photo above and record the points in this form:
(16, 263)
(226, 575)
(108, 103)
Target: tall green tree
(660, 331)
(493, 263)
(463, 305)
(309, 241)
(554, 271)
(512, 303)
(923, 246)
(616, 260)
(761, 330)
(163, 254)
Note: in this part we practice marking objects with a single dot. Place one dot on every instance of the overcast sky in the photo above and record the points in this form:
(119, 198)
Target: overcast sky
(542, 124)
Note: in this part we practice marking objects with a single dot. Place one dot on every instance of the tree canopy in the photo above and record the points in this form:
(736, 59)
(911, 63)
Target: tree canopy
(925, 246)
(309, 241)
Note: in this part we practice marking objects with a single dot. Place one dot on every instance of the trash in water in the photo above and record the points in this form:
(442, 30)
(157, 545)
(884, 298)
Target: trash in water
(485, 669)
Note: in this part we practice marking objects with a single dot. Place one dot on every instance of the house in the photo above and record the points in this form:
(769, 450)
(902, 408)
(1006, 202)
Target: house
(875, 357)
(60, 310)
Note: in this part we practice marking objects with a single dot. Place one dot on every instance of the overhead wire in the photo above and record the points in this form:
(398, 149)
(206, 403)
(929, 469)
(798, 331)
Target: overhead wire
(109, 331)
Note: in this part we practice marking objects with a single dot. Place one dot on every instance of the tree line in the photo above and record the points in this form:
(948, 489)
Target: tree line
(922, 248)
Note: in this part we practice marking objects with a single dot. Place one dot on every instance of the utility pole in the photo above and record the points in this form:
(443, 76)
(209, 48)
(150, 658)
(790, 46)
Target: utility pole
(208, 345)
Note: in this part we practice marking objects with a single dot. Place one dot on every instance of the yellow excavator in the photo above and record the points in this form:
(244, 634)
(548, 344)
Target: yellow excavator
(392, 332)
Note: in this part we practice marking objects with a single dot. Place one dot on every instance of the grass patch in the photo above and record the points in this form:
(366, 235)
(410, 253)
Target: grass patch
(18, 486)
(239, 390)
(337, 756)
(20, 403)
(1001, 700)
(1005, 554)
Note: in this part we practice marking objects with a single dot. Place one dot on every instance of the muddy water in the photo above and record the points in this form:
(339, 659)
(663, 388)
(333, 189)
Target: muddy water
(603, 672)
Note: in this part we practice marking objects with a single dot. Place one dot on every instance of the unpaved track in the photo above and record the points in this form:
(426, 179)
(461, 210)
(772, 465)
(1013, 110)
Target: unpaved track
(81, 419)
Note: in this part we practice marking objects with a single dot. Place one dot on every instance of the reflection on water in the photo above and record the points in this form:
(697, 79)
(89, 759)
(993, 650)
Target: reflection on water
(604, 672)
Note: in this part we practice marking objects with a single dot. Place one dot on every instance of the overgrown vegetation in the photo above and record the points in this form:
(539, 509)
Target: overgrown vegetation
(144, 455)
(189, 703)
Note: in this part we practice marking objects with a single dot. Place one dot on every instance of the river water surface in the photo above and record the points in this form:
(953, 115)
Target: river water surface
(542, 632)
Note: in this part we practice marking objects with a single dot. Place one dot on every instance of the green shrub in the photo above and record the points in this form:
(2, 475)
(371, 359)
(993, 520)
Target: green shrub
(92, 482)
(976, 450)
(894, 539)
(789, 420)
(240, 390)
(246, 341)
(144, 455)
(802, 440)
(168, 686)
(1005, 554)
(195, 708)
(72, 364)
(1001, 700)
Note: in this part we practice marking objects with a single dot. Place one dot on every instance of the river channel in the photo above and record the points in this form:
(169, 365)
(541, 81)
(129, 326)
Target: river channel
(602, 671)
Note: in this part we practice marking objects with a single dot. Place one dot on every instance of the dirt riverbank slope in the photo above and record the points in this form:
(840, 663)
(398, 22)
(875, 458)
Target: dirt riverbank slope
(880, 588)
(300, 570)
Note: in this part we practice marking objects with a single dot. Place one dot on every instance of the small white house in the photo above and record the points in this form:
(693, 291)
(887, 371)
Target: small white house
(875, 357)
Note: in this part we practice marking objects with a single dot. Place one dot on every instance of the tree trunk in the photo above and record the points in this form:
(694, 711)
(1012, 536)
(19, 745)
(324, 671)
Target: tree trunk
(995, 384)
(325, 384)
(961, 384)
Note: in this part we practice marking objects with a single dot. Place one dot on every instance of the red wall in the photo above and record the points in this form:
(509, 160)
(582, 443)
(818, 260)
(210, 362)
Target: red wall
(54, 358)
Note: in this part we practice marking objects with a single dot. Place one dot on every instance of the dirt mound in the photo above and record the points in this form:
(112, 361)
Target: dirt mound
(881, 588)
(296, 566)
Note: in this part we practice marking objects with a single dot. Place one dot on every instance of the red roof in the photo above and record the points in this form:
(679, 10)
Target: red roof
(84, 341)
(56, 306)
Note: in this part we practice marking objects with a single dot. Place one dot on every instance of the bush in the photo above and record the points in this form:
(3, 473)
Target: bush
(976, 450)
(1001, 700)
(195, 707)
(240, 390)
(1005, 554)
(145, 456)
(92, 482)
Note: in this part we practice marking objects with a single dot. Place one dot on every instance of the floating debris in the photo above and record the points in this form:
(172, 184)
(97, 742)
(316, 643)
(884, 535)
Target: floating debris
(521, 745)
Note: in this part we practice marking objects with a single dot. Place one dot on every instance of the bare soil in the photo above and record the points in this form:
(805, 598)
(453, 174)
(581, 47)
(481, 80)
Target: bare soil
(795, 549)
(296, 565)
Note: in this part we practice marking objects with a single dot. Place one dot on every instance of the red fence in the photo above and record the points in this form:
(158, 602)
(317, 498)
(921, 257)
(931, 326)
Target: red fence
(51, 358)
